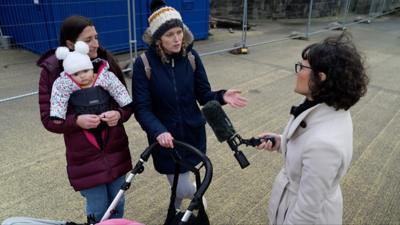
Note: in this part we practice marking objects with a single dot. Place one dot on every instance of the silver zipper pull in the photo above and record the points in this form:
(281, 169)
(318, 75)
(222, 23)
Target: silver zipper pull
(173, 63)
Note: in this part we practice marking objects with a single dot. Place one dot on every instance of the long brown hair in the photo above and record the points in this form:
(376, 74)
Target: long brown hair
(70, 30)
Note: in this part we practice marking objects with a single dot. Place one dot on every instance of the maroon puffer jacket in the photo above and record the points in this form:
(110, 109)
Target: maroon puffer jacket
(87, 166)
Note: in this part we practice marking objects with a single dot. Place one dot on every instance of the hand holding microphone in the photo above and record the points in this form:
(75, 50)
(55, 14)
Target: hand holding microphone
(224, 131)
(267, 143)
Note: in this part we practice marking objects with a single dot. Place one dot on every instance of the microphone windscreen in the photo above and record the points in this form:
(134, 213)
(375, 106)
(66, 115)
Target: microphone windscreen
(218, 121)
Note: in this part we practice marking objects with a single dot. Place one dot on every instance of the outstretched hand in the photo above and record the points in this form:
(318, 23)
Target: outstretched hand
(233, 98)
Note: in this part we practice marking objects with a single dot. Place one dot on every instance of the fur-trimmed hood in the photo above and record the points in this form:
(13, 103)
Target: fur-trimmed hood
(187, 37)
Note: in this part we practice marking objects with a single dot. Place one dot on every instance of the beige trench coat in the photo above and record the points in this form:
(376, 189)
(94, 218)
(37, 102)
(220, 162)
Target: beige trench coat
(316, 157)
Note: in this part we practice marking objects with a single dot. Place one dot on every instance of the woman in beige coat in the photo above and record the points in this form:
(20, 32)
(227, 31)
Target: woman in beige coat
(317, 143)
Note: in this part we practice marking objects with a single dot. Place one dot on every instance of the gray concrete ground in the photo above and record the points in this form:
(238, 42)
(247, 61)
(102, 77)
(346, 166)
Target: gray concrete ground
(33, 180)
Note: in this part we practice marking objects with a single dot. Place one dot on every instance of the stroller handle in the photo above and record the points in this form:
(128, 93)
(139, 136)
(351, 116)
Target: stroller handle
(138, 168)
(205, 160)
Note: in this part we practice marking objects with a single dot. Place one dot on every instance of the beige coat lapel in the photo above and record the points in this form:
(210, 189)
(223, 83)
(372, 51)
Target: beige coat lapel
(284, 137)
(296, 122)
(292, 126)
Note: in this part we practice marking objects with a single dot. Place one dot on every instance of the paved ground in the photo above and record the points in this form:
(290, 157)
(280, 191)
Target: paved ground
(33, 180)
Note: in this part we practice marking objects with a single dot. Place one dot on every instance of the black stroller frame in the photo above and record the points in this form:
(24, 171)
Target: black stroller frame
(174, 217)
(195, 204)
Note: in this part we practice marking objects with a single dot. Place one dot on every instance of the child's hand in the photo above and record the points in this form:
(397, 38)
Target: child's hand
(110, 117)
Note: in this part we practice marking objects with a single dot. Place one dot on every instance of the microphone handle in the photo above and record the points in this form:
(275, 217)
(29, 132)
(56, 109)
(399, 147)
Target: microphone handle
(241, 158)
(234, 143)
(257, 141)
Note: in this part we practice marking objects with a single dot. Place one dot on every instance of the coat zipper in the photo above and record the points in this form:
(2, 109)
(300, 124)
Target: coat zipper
(176, 94)
(173, 79)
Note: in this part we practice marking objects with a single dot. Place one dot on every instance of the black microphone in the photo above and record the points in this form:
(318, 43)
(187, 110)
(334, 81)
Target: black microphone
(218, 121)
(224, 131)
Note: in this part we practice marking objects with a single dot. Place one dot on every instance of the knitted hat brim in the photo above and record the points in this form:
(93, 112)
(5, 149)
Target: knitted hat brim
(166, 26)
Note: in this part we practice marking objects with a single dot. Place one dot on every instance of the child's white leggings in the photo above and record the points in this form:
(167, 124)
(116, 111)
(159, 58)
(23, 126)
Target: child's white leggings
(185, 188)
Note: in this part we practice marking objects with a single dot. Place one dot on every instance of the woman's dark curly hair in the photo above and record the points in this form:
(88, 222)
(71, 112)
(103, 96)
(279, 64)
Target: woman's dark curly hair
(346, 79)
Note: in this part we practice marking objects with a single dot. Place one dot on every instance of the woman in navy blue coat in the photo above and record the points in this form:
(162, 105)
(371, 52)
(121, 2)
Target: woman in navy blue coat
(166, 97)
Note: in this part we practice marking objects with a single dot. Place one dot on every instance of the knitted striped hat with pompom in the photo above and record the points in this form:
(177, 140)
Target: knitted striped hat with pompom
(162, 19)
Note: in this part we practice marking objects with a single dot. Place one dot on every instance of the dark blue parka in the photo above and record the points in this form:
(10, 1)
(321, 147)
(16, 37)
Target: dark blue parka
(167, 102)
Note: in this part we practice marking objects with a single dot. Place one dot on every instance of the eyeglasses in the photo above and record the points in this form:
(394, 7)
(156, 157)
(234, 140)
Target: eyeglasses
(298, 67)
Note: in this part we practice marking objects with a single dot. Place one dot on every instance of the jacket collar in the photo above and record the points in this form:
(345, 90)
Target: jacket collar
(295, 122)
(102, 65)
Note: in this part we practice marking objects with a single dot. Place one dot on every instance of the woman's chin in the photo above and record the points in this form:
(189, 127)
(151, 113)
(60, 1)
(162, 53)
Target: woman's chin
(93, 55)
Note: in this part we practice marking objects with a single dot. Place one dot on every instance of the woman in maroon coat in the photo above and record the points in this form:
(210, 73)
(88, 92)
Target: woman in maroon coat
(96, 173)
